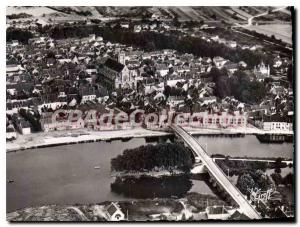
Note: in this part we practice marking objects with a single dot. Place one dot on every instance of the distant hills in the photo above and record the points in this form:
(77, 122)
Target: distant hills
(229, 14)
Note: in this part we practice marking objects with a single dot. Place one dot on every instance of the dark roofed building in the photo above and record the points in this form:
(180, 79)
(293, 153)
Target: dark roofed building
(116, 75)
(113, 65)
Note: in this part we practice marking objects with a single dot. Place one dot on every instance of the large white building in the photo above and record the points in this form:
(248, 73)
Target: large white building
(280, 126)
(262, 69)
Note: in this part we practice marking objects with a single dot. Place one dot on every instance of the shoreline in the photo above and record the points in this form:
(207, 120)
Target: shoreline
(60, 138)
(152, 174)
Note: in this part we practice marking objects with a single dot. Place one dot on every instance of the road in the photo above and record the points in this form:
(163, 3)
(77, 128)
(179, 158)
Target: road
(250, 20)
(217, 173)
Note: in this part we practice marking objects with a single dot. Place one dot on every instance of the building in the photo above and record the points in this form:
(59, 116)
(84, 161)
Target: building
(262, 69)
(209, 100)
(114, 213)
(232, 44)
(87, 93)
(282, 126)
(277, 62)
(231, 67)
(13, 69)
(10, 133)
(276, 122)
(217, 213)
(24, 127)
(117, 75)
(219, 120)
(60, 123)
(219, 62)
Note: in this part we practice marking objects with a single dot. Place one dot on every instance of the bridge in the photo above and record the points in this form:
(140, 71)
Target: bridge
(217, 173)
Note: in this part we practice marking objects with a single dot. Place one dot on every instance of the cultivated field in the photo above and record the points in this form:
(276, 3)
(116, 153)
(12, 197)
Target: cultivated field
(280, 31)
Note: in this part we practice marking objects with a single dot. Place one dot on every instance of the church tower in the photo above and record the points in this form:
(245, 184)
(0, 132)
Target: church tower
(121, 57)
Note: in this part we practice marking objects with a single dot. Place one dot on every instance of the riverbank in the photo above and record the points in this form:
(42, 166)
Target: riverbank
(157, 174)
(57, 138)
(192, 207)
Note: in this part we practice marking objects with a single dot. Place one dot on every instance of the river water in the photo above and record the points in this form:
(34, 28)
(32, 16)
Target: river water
(67, 174)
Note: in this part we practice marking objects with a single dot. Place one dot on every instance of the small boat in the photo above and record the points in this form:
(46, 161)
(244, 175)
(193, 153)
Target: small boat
(10, 181)
(97, 167)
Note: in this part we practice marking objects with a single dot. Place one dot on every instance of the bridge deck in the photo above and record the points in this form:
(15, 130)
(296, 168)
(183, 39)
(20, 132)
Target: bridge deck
(217, 173)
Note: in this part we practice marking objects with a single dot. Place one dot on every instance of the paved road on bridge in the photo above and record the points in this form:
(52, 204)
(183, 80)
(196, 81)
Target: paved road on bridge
(217, 173)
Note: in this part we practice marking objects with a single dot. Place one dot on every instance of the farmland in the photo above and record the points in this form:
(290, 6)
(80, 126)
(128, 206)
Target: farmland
(280, 31)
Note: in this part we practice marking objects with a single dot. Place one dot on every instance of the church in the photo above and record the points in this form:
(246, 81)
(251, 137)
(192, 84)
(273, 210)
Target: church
(262, 69)
(116, 74)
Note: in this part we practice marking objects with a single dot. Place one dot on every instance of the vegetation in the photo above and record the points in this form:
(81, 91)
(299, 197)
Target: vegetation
(237, 167)
(244, 182)
(169, 156)
(18, 34)
(277, 178)
(33, 119)
(245, 90)
(287, 180)
(220, 78)
(153, 41)
(151, 187)
(18, 16)
(239, 85)
(200, 201)
(271, 39)
(253, 179)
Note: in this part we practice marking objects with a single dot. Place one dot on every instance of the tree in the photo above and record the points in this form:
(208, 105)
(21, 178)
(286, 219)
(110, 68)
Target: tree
(245, 182)
(245, 90)
(264, 182)
(288, 179)
(220, 78)
(277, 170)
(18, 34)
(277, 178)
(167, 91)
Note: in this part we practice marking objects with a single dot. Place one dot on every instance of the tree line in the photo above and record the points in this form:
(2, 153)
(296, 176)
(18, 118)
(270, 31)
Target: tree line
(149, 41)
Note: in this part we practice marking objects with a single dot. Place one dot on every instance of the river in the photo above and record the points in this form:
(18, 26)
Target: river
(67, 174)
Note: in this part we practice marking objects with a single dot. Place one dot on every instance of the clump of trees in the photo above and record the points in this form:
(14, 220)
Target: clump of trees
(167, 156)
(18, 16)
(287, 180)
(253, 179)
(18, 34)
(220, 78)
(245, 90)
(239, 85)
(236, 167)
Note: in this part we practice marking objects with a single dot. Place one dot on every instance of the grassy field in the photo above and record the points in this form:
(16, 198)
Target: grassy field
(280, 31)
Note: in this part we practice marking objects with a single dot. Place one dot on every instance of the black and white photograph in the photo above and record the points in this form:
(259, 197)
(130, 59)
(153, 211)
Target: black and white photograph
(150, 113)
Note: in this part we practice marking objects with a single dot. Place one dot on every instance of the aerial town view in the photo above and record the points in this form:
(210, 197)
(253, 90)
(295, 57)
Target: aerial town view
(139, 113)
